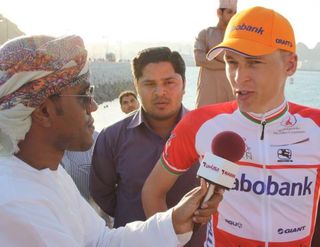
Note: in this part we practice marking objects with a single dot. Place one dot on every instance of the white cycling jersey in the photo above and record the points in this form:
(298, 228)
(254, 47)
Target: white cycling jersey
(275, 197)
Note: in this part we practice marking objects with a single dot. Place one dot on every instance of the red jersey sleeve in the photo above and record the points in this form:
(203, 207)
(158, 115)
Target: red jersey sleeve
(179, 152)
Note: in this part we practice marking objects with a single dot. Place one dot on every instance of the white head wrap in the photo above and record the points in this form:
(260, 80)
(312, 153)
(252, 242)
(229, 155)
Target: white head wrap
(228, 4)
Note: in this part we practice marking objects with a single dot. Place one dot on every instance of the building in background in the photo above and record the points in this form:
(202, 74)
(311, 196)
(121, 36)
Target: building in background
(8, 30)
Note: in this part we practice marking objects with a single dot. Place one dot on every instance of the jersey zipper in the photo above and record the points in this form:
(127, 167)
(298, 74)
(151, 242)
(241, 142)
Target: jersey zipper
(264, 198)
(263, 123)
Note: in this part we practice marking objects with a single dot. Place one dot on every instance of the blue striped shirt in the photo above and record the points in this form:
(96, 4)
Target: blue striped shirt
(77, 165)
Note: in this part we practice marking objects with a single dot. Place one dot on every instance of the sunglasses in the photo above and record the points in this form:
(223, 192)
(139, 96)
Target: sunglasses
(87, 98)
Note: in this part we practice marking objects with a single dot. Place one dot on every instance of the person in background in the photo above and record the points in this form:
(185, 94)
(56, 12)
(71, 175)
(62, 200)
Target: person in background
(126, 152)
(77, 164)
(46, 103)
(213, 85)
(128, 101)
(276, 192)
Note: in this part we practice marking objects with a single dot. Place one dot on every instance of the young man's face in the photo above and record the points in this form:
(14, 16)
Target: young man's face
(161, 90)
(129, 103)
(226, 15)
(72, 125)
(258, 82)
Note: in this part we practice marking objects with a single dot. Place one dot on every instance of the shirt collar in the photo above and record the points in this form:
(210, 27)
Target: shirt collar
(139, 117)
(269, 116)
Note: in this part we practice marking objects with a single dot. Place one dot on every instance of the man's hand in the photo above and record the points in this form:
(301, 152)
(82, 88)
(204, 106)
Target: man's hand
(187, 211)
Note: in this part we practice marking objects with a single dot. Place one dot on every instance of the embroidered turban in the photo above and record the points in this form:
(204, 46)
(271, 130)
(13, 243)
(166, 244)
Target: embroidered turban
(32, 69)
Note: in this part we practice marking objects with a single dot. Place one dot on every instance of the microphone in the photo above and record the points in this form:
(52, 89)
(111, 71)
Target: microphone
(219, 168)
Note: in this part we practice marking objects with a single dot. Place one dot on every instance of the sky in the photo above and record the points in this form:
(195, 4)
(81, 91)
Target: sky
(145, 20)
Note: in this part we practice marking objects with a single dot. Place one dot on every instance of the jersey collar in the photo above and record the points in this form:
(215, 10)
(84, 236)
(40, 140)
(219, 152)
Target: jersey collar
(268, 116)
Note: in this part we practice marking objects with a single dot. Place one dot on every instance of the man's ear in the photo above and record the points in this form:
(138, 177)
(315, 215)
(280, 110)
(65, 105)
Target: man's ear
(42, 114)
(292, 64)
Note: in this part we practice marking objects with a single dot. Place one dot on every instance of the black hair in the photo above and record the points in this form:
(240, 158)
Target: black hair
(156, 55)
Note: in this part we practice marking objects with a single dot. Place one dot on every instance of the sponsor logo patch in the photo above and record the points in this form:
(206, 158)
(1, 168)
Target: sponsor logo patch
(247, 154)
(248, 28)
(284, 155)
(284, 42)
(290, 121)
(272, 187)
(233, 223)
(291, 230)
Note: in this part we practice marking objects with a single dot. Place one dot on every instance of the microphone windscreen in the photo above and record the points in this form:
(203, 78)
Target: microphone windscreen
(228, 145)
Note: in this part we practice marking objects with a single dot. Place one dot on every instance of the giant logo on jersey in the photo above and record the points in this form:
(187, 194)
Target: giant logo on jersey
(272, 187)
(291, 230)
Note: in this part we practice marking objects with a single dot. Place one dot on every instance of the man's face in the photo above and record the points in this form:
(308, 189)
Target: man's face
(72, 126)
(258, 82)
(161, 90)
(129, 103)
(226, 15)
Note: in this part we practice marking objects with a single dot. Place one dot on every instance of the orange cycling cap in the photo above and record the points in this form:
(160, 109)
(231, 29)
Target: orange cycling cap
(256, 31)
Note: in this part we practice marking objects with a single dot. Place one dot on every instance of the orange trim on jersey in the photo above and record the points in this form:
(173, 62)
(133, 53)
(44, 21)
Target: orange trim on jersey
(316, 199)
(244, 163)
(179, 152)
(223, 239)
(306, 112)
(277, 166)
(300, 166)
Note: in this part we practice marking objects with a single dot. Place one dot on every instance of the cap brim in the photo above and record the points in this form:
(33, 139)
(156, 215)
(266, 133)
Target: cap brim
(244, 47)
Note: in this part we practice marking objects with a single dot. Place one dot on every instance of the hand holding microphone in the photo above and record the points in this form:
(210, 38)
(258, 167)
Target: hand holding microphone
(219, 168)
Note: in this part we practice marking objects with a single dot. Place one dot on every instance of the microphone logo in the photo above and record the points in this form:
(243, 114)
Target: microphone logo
(211, 166)
(218, 170)
(227, 173)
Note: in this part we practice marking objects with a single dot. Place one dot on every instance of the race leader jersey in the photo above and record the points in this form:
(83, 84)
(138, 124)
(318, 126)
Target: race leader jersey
(275, 196)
